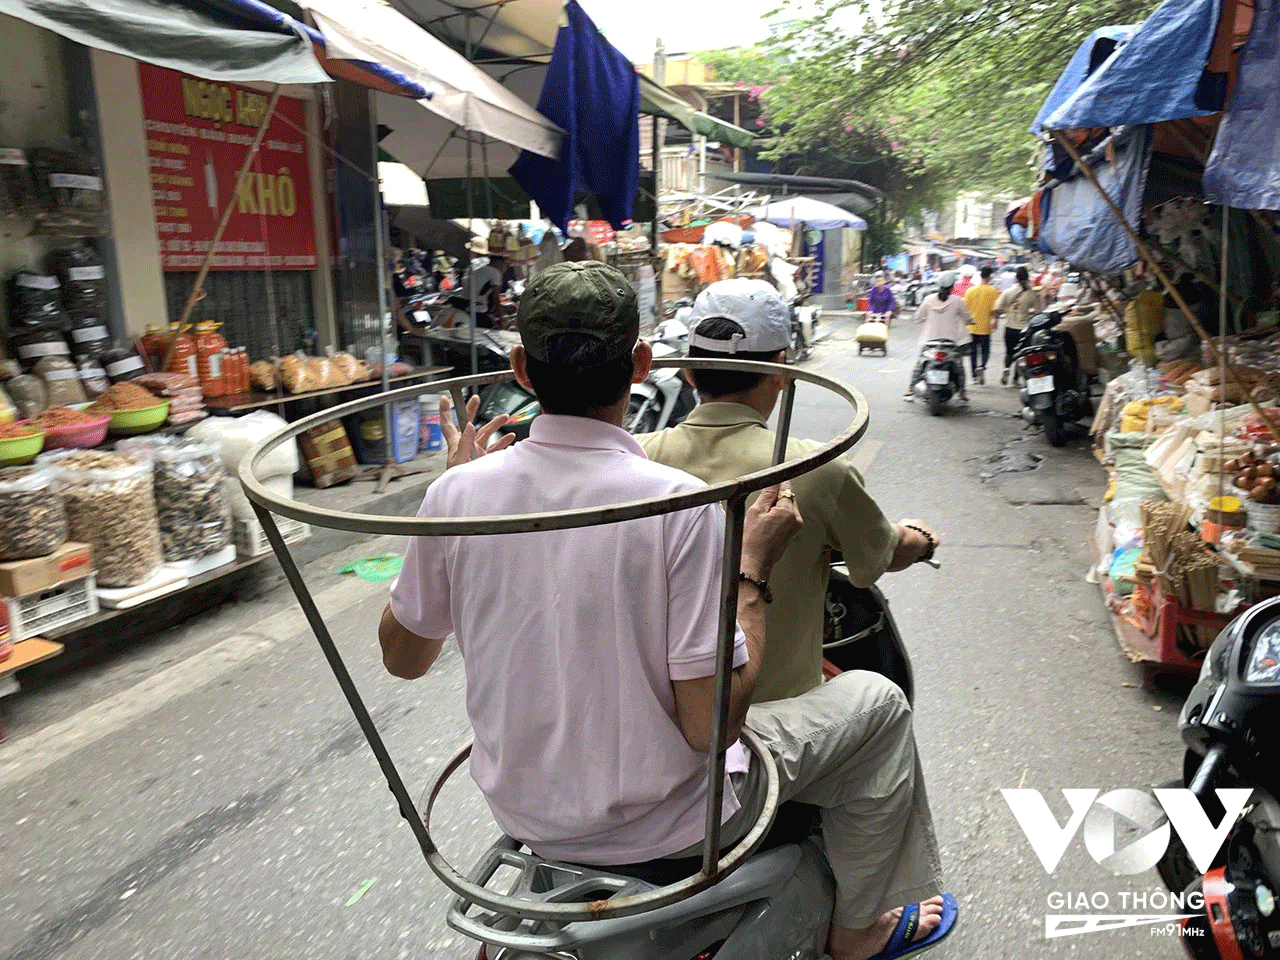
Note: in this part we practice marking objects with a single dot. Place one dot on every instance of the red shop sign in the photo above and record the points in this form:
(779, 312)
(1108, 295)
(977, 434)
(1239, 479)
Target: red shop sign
(197, 134)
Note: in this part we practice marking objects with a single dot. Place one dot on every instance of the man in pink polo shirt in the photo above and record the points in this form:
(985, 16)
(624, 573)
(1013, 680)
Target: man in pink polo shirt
(590, 653)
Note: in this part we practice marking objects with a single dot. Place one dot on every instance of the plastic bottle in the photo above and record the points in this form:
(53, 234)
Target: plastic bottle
(184, 356)
(154, 342)
(242, 370)
(211, 349)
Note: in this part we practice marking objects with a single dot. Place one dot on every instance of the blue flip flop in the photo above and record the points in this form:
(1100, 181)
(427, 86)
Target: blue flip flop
(900, 944)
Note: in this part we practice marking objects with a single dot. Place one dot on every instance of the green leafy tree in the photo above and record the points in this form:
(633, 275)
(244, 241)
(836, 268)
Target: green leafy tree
(952, 84)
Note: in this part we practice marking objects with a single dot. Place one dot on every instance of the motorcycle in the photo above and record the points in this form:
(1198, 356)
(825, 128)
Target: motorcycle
(804, 324)
(1226, 724)
(943, 374)
(665, 398)
(778, 904)
(1054, 393)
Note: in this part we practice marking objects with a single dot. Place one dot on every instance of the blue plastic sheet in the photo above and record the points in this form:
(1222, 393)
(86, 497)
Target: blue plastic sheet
(1081, 228)
(592, 92)
(1151, 78)
(1081, 65)
(1244, 168)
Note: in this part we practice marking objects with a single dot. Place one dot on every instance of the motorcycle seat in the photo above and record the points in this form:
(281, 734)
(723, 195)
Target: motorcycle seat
(762, 876)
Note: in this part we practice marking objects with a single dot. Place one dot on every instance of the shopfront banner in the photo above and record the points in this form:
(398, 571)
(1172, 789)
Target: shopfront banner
(197, 135)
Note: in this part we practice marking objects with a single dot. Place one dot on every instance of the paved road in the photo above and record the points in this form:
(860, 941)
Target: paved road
(208, 796)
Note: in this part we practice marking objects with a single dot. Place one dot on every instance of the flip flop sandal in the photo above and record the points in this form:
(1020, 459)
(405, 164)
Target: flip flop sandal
(900, 943)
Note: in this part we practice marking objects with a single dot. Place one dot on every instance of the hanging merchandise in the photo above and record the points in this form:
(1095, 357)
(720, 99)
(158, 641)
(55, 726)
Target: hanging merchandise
(17, 192)
(70, 189)
(32, 520)
(61, 381)
(35, 300)
(110, 505)
(82, 276)
(122, 363)
(211, 348)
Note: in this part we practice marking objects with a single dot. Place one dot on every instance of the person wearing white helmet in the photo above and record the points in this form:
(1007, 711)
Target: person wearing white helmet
(830, 737)
(945, 317)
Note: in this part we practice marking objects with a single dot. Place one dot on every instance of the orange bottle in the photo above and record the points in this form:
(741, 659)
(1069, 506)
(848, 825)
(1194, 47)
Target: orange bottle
(183, 359)
(237, 376)
(211, 351)
(154, 343)
(245, 384)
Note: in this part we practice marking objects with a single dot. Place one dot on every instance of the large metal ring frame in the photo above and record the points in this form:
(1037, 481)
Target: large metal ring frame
(733, 493)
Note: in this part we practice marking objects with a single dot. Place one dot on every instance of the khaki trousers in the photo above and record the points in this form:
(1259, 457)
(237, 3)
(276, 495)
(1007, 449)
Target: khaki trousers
(847, 747)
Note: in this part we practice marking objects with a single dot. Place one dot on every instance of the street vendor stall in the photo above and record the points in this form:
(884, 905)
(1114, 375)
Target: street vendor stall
(1189, 433)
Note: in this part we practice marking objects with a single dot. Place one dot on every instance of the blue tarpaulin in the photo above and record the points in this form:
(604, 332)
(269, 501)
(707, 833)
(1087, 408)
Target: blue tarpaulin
(1099, 46)
(1244, 168)
(1081, 228)
(1153, 77)
(592, 92)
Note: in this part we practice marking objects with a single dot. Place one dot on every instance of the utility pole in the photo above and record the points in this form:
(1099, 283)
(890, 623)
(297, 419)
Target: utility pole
(658, 137)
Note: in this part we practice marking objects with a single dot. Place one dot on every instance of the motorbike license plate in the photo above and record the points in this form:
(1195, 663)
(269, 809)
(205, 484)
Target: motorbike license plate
(1040, 385)
(937, 377)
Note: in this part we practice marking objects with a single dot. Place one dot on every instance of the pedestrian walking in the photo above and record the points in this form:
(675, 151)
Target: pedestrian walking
(1015, 306)
(981, 300)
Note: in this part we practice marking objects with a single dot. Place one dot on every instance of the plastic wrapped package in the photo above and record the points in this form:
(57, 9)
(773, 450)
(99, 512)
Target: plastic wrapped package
(32, 520)
(8, 411)
(69, 187)
(90, 338)
(235, 437)
(31, 344)
(355, 371)
(191, 500)
(93, 378)
(122, 363)
(28, 395)
(35, 300)
(61, 381)
(167, 384)
(110, 505)
(83, 279)
(17, 191)
(262, 375)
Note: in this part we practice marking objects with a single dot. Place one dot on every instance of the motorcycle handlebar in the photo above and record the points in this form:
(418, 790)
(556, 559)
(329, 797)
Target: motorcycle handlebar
(1214, 762)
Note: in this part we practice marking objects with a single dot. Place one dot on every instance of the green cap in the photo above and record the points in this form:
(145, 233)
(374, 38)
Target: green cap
(587, 297)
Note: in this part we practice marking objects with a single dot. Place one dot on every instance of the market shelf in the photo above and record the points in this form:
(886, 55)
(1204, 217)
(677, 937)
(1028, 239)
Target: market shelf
(244, 402)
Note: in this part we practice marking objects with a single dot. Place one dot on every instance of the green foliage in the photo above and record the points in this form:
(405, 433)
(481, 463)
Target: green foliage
(930, 97)
(882, 238)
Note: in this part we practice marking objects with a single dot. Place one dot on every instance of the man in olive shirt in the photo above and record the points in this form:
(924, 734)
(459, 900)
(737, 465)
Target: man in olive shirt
(727, 436)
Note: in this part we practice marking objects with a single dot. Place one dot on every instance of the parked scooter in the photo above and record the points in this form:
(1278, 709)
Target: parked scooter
(777, 905)
(1054, 393)
(943, 372)
(665, 398)
(1226, 724)
(804, 325)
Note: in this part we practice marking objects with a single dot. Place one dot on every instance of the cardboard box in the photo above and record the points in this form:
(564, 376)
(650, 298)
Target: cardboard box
(71, 561)
(328, 454)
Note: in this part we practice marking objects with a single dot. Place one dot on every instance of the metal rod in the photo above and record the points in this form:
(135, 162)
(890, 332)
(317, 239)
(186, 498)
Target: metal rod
(1147, 255)
(343, 676)
(197, 288)
(561, 520)
(385, 323)
(734, 517)
(1222, 351)
(784, 423)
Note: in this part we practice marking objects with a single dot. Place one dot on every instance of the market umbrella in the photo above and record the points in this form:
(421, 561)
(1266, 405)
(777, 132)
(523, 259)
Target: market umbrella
(815, 214)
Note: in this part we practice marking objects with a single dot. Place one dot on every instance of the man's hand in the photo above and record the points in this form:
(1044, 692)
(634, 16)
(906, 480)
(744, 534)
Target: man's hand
(912, 545)
(769, 525)
(467, 444)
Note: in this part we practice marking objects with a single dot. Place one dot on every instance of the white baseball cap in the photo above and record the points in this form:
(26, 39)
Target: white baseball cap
(754, 305)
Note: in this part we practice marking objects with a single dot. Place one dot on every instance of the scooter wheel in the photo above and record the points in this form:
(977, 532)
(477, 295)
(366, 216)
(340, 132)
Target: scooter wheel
(1054, 429)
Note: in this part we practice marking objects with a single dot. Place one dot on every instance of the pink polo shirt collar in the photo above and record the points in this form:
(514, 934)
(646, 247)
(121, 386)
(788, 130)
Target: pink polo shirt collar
(565, 431)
